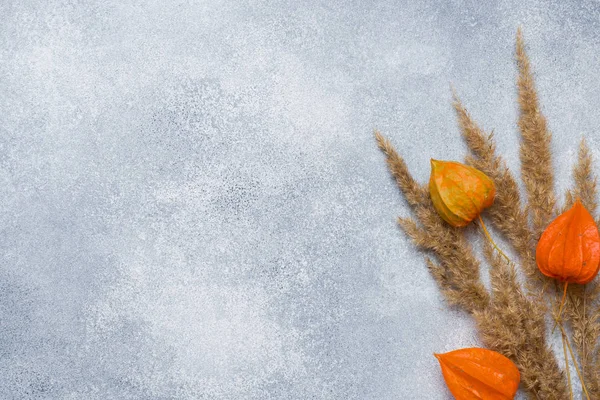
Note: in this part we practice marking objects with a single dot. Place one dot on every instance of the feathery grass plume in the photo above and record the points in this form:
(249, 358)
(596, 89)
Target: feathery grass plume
(536, 159)
(514, 326)
(582, 312)
(457, 272)
(414, 193)
(585, 181)
(506, 213)
(595, 375)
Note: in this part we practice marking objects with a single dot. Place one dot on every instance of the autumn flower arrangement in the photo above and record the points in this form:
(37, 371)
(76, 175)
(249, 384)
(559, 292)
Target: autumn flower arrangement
(549, 288)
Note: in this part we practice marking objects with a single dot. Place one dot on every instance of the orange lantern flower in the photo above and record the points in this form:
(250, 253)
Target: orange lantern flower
(569, 248)
(459, 192)
(476, 373)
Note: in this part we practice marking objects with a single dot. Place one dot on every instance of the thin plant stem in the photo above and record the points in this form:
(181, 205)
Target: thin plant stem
(489, 237)
(567, 366)
(562, 304)
(587, 395)
(584, 342)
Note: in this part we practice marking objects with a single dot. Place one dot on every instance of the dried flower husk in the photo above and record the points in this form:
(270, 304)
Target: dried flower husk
(569, 248)
(476, 373)
(459, 193)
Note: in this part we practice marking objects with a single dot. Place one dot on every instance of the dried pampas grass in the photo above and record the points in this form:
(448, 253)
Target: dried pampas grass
(511, 318)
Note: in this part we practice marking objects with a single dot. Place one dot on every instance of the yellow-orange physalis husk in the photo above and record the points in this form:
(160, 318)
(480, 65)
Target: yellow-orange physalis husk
(459, 192)
(569, 249)
(476, 373)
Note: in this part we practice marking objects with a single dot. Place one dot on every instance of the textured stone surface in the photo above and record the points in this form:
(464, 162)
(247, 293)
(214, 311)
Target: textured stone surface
(192, 204)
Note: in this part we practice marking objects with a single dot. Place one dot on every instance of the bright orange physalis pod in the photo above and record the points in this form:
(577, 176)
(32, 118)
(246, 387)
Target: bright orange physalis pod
(569, 249)
(459, 192)
(476, 373)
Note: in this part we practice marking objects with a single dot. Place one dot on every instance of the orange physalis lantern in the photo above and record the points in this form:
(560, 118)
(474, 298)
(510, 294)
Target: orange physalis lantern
(569, 249)
(459, 192)
(476, 373)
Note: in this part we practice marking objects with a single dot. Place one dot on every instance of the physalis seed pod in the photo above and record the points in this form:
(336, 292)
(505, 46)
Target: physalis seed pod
(569, 249)
(459, 192)
(476, 373)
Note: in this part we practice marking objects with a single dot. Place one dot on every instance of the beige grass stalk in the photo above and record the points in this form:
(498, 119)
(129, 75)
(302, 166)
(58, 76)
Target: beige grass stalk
(514, 326)
(582, 312)
(536, 158)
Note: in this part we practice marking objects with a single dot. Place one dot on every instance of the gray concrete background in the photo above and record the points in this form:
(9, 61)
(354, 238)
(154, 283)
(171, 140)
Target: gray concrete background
(192, 204)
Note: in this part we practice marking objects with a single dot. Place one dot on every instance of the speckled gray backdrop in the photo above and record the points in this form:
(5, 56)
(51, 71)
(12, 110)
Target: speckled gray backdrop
(192, 205)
